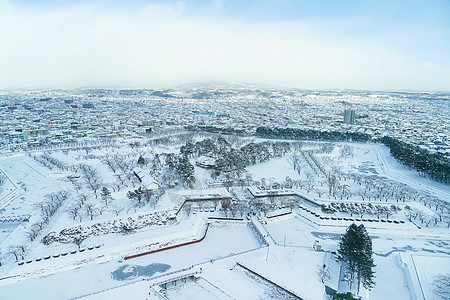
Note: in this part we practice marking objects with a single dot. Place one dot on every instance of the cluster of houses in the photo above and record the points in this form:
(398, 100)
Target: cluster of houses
(30, 119)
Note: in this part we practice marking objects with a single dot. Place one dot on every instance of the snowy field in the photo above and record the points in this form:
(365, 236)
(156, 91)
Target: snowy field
(368, 184)
(428, 268)
(189, 290)
(391, 279)
(221, 241)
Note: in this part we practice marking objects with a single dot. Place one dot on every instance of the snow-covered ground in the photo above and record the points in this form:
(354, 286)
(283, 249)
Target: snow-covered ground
(96, 275)
(233, 261)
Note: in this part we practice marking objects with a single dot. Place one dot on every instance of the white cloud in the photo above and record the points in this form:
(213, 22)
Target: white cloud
(5, 4)
(218, 4)
(159, 45)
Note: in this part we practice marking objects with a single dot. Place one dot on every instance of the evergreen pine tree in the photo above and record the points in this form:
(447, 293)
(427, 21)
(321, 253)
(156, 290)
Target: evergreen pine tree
(105, 193)
(141, 161)
(356, 251)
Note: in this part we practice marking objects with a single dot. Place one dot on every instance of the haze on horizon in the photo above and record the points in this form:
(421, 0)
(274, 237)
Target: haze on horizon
(376, 44)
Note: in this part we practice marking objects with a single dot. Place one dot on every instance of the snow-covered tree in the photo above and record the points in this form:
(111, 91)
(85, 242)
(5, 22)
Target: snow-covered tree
(324, 273)
(91, 210)
(441, 286)
(141, 161)
(355, 248)
(106, 194)
(136, 195)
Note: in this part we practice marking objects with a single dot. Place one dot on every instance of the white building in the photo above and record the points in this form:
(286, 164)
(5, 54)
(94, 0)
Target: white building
(349, 116)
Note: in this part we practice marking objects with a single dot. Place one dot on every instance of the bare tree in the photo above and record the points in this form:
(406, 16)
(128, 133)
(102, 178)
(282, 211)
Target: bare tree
(22, 251)
(319, 192)
(92, 177)
(83, 198)
(91, 210)
(78, 186)
(441, 286)
(233, 210)
(345, 191)
(78, 240)
(14, 250)
(33, 232)
(102, 209)
(148, 195)
(226, 203)
(75, 182)
(95, 185)
(324, 273)
(240, 207)
(333, 184)
(309, 183)
(120, 178)
(74, 211)
(39, 225)
(362, 193)
(447, 220)
(187, 207)
(51, 204)
(411, 213)
(346, 151)
(294, 161)
(291, 203)
(117, 210)
(110, 163)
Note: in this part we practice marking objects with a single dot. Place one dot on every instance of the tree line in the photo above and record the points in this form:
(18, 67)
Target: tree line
(311, 134)
(233, 160)
(214, 129)
(433, 165)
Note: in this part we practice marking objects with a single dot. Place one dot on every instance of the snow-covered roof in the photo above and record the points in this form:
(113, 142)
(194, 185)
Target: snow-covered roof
(206, 161)
(333, 266)
(146, 179)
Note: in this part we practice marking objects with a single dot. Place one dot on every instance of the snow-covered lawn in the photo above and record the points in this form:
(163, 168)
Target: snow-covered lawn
(291, 262)
(221, 241)
(295, 232)
(391, 280)
(189, 290)
(427, 268)
(293, 269)
(276, 169)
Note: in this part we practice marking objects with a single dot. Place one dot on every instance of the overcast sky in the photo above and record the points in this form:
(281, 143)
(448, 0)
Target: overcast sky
(379, 44)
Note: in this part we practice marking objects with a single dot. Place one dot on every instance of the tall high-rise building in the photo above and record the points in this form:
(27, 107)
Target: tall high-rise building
(349, 116)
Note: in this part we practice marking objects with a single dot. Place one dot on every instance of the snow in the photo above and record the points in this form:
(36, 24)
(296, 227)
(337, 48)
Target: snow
(427, 268)
(407, 258)
(296, 233)
(393, 169)
(233, 280)
(390, 279)
(285, 267)
(98, 270)
(189, 290)
(276, 169)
